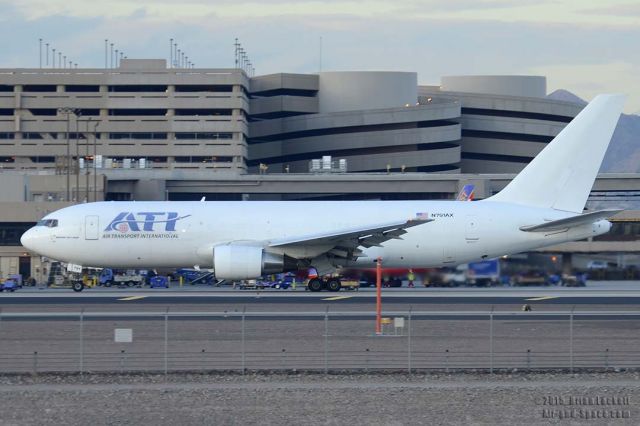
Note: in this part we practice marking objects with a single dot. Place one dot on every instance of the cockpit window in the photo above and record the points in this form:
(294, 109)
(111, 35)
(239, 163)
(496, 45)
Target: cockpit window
(49, 223)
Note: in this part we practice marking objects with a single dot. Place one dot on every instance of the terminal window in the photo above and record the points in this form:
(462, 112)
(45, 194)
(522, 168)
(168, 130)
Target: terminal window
(10, 232)
(139, 88)
(82, 88)
(204, 88)
(39, 88)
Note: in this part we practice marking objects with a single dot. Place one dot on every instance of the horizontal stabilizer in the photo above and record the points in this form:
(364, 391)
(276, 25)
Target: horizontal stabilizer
(570, 222)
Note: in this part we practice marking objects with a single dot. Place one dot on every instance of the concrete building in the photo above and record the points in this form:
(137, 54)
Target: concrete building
(370, 120)
(505, 120)
(140, 115)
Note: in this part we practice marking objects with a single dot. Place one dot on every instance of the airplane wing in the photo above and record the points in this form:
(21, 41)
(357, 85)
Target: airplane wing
(345, 242)
(570, 222)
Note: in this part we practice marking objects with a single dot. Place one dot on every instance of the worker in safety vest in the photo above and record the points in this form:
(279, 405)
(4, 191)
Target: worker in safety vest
(411, 277)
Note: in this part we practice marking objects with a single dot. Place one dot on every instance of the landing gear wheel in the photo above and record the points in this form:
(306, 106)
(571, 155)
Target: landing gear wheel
(314, 285)
(334, 284)
(77, 286)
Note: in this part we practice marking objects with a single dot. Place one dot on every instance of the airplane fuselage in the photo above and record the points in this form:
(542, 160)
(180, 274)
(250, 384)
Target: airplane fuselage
(179, 234)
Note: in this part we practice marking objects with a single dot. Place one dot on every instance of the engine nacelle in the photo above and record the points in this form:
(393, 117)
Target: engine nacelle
(237, 262)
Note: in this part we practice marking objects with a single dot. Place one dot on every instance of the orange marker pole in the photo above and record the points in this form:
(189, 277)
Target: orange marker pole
(379, 296)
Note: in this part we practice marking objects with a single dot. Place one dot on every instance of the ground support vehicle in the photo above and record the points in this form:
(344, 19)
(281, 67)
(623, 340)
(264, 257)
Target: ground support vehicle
(250, 285)
(484, 273)
(446, 277)
(530, 278)
(159, 281)
(195, 276)
(277, 284)
(9, 284)
(577, 280)
(130, 278)
(279, 281)
(350, 284)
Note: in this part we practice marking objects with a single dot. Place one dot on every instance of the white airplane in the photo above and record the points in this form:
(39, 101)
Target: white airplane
(542, 206)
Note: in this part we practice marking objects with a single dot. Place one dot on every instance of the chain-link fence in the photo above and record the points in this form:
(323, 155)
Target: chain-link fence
(36, 342)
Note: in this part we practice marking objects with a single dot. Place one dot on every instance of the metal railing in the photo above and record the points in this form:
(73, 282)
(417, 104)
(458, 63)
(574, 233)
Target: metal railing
(80, 342)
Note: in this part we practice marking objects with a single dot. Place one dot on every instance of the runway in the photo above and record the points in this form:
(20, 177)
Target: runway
(601, 294)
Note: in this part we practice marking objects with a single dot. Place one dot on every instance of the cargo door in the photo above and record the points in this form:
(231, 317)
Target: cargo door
(91, 228)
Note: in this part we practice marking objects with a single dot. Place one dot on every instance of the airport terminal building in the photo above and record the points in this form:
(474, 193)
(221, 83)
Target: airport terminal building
(143, 131)
(145, 115)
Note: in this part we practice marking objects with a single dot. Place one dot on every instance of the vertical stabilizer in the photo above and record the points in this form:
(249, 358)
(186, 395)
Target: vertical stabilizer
(562, 175)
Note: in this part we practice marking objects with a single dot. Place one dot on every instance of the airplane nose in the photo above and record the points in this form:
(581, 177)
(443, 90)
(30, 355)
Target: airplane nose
(27, 239)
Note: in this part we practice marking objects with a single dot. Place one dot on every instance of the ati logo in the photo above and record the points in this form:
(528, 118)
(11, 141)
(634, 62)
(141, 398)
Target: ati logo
(144, 221)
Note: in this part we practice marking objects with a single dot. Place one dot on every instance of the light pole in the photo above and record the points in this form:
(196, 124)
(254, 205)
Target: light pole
(170, 53)
(86, 168)
(67, 112)
(77, 164)
(95, 171)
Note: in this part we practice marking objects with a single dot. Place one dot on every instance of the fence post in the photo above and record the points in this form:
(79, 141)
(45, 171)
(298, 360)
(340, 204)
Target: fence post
(571, 341)
(491, 341)
(166, 342)
(204, 361)
(409, 341)
(122, 355)
(366, 368)
(35, 363)
(606, 359)
(528, 359)
(81, 341)
(446, 360)
(326, 341)
(284, 359)
(244, 309)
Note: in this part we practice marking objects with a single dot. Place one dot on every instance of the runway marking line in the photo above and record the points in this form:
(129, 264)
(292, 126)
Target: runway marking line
(132, 298)
(337, 298)
(536, 299)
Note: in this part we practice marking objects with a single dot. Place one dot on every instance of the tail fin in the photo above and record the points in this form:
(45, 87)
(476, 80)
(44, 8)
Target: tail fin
(466, 193)
(562, 175)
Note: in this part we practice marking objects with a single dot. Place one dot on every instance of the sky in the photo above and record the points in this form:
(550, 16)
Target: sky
(584, 46)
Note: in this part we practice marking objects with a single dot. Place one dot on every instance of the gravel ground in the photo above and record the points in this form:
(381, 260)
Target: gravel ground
(309, 399)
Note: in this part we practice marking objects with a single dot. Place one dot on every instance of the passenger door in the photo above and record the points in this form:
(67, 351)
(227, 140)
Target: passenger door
(91, 228)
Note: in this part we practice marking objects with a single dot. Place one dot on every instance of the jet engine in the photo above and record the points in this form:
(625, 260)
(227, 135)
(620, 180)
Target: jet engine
(238, 262)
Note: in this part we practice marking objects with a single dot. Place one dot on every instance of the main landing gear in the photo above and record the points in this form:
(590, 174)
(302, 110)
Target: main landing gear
(319, 284)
